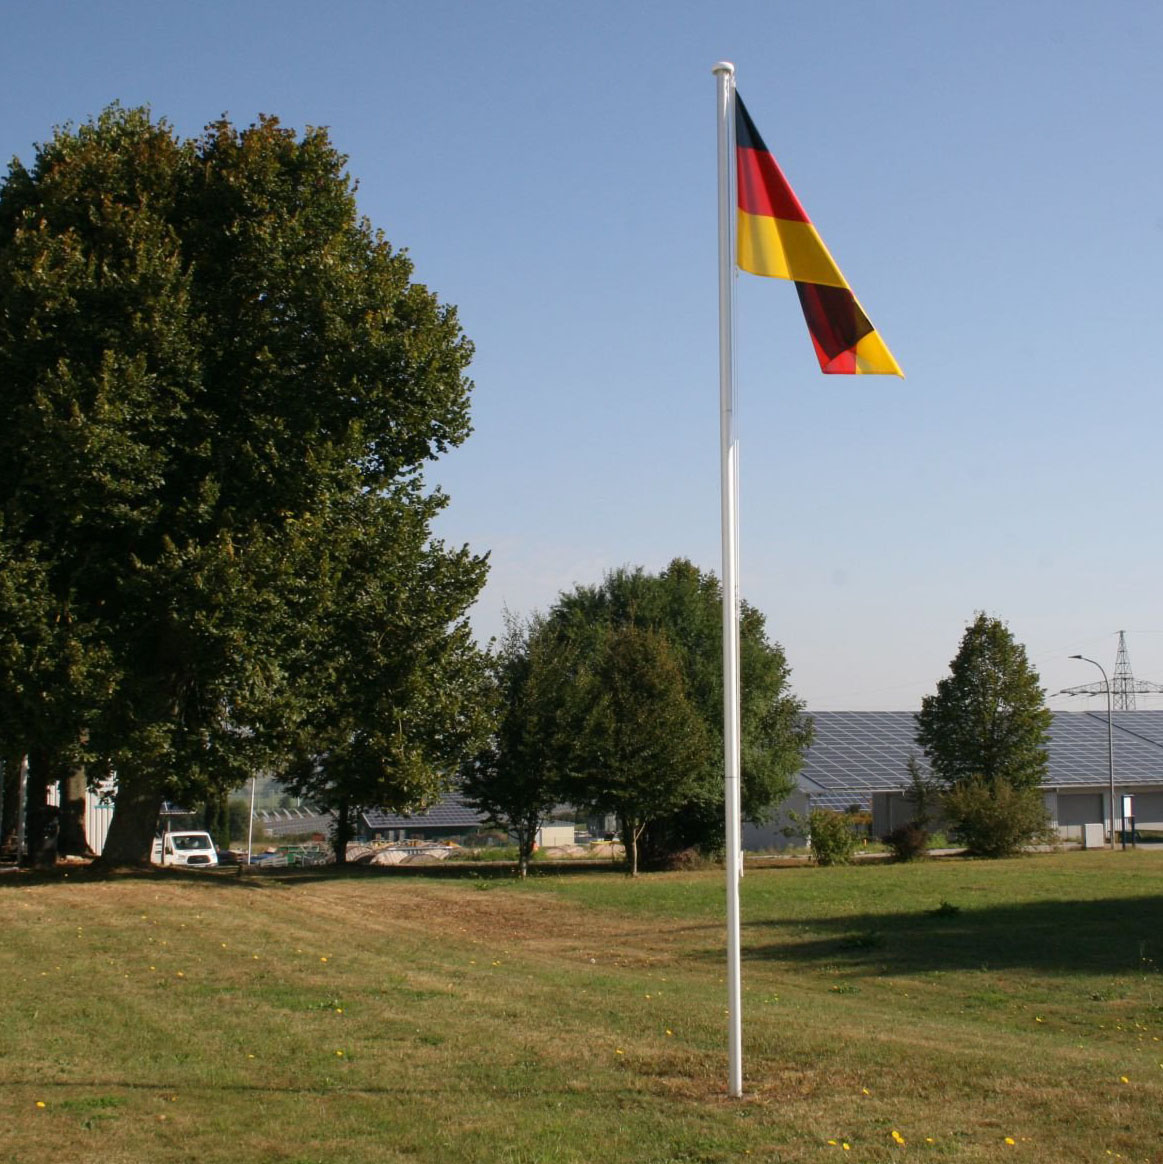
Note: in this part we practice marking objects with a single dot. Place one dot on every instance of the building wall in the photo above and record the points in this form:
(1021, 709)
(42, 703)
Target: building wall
(784, 831)
(555, 835)
(892, 810)
(1069, 810)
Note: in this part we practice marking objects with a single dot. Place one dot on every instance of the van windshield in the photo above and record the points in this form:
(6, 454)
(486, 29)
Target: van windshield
(185, 844)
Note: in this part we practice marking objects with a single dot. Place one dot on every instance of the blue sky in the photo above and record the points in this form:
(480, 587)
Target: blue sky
(988, 176)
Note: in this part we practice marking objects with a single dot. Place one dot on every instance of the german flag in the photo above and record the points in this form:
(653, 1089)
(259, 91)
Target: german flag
(775, 237)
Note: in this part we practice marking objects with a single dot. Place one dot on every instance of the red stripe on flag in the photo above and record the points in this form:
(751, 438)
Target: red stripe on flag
(764, 190)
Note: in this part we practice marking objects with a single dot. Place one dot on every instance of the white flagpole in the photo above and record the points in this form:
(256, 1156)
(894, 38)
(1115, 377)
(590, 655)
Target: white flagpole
(729, 447)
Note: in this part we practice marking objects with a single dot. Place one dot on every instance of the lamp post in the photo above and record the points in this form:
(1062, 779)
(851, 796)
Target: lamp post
(1110, 738)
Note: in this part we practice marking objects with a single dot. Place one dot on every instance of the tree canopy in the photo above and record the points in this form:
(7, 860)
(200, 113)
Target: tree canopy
(215, 379)
(988, 719)
(643, 747)
(640, 656)
(515, 776)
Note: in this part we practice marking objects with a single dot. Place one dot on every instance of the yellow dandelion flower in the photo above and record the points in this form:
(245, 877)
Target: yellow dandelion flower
(846, 1146)
(180, 974)
(1123, 1079)
(1010, 1140)
(898, 1137)
(833, 1143)
(619, 1051)
(41, 1103)
(669, 1031)
(865, 1091)
(322, 959)
(339, 1054)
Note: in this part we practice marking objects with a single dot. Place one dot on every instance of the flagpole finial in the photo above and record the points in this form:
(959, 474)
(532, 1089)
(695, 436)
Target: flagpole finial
(723, 67)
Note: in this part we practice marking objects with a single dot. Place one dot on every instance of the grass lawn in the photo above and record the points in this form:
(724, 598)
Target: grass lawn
(949, 1010)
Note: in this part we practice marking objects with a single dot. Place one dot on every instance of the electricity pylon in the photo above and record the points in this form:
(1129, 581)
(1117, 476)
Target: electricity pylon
(1124, 686)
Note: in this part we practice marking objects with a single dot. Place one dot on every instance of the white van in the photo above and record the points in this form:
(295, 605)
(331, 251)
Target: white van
(184, 848)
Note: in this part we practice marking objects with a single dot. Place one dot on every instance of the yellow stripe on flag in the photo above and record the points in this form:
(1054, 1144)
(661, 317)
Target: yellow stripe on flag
(873, 356)
(782, 249)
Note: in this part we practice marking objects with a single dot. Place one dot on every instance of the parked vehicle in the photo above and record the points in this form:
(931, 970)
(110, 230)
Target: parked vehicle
(184, 848)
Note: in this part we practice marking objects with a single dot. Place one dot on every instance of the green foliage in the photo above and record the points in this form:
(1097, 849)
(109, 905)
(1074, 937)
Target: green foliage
(909, 842)
(833, 840)
(988, 718)
(239, 818)
(642, 742)
(218, 386)
(514, 777)
(681, 607)
(996, 818)
(922, 792)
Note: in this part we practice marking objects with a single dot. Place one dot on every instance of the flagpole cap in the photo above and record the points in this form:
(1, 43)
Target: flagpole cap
(723, 67)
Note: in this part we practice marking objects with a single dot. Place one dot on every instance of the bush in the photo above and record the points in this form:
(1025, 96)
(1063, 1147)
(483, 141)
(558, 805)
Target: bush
(685, 861)
(832, 839)
(908, 843)
(996, 820)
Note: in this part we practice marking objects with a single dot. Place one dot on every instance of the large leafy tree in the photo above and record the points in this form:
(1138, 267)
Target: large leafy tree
(515, 777)
(682, 606)
(988, 719)
(642, 747)
(389, 685)
(213, 373)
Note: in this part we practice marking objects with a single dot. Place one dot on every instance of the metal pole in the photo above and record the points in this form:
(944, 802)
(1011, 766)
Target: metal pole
(1110, 739)
(724, 73)
(250, 824)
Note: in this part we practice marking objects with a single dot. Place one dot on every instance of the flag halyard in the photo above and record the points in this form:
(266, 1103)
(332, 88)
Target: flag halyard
(776, 238)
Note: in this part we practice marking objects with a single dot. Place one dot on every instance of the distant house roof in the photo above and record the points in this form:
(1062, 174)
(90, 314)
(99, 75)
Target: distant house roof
(449, 813)
(861, 752)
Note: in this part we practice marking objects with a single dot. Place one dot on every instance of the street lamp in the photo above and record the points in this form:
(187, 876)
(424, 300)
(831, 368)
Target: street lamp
(1110, 737)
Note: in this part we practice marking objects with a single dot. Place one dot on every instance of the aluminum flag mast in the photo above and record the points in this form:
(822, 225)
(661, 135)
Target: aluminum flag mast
(729, 455)
(775, 238)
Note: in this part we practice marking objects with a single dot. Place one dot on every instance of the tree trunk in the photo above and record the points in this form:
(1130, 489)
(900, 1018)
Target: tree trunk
(9, 800)
(135, 815)
(72, 841)
(40, 819)
(630, 834)
(343, 831)
(525, 839)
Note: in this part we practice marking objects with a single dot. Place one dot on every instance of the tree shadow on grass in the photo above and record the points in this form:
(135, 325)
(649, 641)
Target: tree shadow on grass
(1109, 936)
(241, 877)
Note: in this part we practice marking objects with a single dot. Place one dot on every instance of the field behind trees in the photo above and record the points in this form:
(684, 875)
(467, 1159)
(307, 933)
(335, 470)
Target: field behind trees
(948, 1010)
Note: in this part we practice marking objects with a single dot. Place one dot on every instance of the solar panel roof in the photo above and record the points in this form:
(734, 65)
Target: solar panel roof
(866, 751)
(449, 813)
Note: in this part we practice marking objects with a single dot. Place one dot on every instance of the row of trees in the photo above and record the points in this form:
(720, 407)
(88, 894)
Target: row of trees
(218, 389)
(612, 701)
